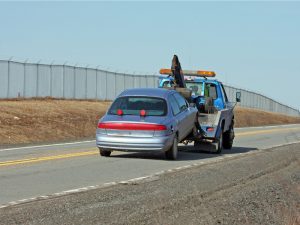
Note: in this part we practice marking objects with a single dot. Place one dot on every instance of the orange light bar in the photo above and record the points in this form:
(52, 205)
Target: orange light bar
(199, 73)
(165, 71)
(206, 73)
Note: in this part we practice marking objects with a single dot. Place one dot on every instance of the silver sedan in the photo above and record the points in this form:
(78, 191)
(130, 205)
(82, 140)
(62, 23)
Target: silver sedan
(146, 119)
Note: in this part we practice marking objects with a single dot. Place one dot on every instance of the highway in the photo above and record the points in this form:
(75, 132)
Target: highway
(39, 171)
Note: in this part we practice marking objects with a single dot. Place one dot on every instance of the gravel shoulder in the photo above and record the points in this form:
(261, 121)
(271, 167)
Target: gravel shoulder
(258, 188)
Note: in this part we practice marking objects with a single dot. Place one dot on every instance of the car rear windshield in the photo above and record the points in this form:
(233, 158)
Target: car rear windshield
(132, 105)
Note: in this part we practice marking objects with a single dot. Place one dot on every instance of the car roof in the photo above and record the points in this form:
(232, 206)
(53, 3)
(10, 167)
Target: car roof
(150, 92)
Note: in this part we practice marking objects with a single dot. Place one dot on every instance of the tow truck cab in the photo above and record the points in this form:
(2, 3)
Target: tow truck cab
(202, 88)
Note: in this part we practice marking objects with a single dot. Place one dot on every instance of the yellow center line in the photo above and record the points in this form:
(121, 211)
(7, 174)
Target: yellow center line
(47, 158)
(88, 153)
(248, 133)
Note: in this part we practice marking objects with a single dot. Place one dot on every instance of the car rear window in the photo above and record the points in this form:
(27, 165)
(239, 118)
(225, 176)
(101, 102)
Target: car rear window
(132, 105)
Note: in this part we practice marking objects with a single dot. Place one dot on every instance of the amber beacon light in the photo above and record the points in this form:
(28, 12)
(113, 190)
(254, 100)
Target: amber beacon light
(198, 73)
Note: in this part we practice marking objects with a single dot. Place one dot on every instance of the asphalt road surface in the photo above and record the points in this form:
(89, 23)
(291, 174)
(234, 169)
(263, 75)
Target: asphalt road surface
(27, 173)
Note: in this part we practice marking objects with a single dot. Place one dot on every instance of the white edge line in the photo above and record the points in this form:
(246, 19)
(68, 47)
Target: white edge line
(138, 179)
(273, 126)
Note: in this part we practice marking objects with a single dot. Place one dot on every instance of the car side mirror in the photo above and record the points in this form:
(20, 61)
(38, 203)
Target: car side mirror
(238, 96)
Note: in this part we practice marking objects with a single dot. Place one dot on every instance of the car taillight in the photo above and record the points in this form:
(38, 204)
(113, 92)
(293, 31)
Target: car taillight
(131, 126)
(120, 112)
(143, 112)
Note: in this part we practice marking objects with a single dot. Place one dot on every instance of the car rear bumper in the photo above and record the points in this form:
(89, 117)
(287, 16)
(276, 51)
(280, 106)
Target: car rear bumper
(136, 144)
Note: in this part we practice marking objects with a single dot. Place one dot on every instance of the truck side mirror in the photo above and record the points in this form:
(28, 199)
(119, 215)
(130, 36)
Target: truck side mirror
(238, 96)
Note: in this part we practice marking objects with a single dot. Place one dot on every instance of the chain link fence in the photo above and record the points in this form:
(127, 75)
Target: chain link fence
(28, 80)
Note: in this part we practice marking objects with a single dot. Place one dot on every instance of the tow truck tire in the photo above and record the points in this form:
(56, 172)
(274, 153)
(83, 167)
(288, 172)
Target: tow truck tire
(220, 144)
(228, 139)
(105, 153)
(171, 154)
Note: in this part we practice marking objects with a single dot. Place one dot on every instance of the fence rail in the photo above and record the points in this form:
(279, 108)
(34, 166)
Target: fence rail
(27, 80)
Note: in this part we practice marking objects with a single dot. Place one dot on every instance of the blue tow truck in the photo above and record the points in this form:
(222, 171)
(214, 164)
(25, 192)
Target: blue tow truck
(215, 125)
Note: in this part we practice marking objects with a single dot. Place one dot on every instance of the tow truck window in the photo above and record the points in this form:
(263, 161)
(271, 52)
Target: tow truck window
(196, 88)
(168, 84)
(224, 93)
(132, 105)
(210, 91)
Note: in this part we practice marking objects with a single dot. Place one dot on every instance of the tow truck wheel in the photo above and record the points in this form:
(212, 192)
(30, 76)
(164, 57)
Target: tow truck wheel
(228, 139)
(171, 154)
(220, 144)
(105, 153)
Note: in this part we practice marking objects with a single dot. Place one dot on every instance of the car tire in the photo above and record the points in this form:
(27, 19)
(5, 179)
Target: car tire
(171, 154)
(228, 139)
(105, 153)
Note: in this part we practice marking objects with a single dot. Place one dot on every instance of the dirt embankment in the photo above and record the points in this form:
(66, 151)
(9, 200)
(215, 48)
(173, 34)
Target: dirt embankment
(33, 121)
(252, 117)
(48, 120)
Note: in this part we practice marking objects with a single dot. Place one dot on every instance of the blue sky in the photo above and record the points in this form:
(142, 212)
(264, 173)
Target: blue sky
(252, 45)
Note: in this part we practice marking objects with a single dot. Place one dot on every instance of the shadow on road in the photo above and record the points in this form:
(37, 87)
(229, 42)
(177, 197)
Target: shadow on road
(186, 153)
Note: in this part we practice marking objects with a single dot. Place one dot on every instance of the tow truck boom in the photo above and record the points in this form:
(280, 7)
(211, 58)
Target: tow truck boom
(175, 72)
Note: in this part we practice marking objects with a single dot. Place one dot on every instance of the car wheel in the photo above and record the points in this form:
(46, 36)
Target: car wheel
(171, 154)
(220, 143)
(105, 153)
(228, 139)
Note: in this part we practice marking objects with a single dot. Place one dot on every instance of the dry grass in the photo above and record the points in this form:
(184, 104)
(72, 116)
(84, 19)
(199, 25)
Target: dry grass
(33, 121)
(245, 117)
(50, 120)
